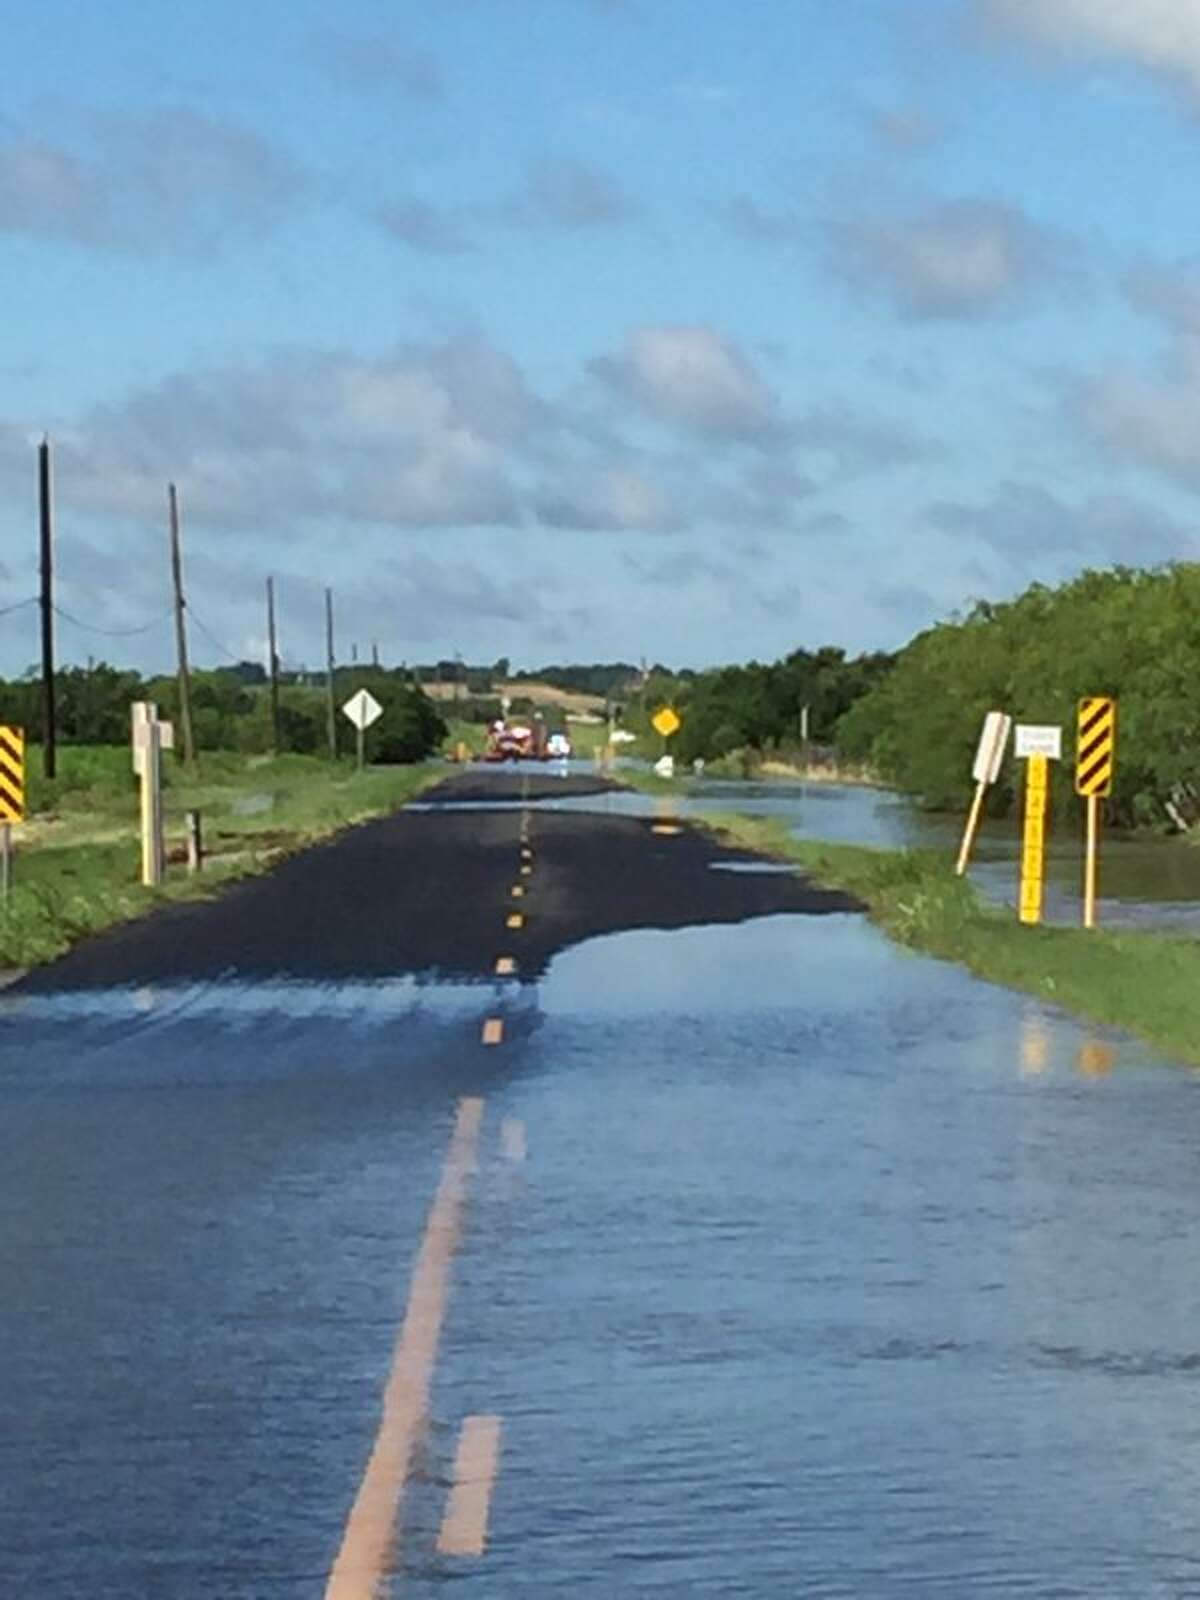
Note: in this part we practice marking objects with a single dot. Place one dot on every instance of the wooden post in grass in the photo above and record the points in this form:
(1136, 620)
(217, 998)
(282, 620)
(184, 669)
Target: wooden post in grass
(195, 843)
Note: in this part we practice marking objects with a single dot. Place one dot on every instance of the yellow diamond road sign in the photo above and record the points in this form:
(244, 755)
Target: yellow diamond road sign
(666, 722)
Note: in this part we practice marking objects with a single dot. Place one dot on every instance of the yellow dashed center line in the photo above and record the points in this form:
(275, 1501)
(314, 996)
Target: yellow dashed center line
(493, 1031)
(464, 1528)
(366, 1549)
(505, 966)
(518, 889)
(515, 920)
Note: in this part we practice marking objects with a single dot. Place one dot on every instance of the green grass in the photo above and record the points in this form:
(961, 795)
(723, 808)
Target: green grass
(78, 866)
(1143, 982)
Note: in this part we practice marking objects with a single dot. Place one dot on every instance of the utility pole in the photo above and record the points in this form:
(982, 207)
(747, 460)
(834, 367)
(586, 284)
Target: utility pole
(331, 705)
(181, 650)
(374, 653)
(274, 665)
(46, 518)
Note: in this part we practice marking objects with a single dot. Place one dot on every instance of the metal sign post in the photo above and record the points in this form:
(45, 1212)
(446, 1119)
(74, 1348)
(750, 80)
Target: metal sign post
(1095, 757)
(666, 723)
(362, 709)
(989, 755)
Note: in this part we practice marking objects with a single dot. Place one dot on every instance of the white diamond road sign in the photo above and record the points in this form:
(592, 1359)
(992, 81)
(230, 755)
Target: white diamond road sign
(363, 709)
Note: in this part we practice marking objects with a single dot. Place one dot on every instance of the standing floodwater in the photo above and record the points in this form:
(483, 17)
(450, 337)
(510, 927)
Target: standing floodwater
(792, 1264)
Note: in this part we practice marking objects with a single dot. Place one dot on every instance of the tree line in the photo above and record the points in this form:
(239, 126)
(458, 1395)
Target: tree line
(230, 711)
(1127, 632)
(758, 708)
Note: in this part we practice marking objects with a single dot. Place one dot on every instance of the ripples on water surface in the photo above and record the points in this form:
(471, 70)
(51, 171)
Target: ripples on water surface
(829, 1271)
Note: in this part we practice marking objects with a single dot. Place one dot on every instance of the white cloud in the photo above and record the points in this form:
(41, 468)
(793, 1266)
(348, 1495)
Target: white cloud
(693, 377)
(1161, 35)
(956, 260)
(423, 226)
(1152, 417)
(372, 63)
(167, 179)
(570, 194)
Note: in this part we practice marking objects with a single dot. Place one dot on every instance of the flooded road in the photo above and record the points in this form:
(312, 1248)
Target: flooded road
(788, 1263)
(1145, 881)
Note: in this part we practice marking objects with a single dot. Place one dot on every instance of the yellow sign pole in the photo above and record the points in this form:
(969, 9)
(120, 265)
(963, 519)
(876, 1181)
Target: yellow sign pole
(1095, 759)
(1089, 875)
(1033, 851)
(968, 839)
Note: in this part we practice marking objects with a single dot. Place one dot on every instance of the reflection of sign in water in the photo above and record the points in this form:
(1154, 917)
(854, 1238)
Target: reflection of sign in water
(1035, 1046)
(666, 722)
(1096, 1059)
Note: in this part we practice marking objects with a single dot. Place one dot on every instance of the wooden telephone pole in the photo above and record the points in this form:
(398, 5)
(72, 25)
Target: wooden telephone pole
(185, 677)
(274, 665)
(46, 520)
(331, 704)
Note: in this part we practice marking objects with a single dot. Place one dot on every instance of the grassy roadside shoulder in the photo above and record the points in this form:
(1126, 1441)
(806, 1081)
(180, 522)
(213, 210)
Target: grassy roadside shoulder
(1143, 982)
(77, 863)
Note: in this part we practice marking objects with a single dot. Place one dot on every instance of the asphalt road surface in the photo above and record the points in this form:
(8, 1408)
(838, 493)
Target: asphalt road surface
(739, 1254)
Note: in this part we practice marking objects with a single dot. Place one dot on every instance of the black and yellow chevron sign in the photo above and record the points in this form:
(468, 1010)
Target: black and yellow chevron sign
(12, 774)
(1095, 753)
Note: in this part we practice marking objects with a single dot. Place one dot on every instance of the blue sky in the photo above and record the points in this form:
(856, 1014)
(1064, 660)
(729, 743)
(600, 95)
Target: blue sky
(593, 329)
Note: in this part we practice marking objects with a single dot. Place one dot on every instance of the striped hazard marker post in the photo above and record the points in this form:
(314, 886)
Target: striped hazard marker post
(1095, 758)
(12, 797)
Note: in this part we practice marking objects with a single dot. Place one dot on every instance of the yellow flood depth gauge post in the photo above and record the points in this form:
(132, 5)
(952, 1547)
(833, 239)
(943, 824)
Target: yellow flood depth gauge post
(1095, 757)
(1037, 746)
(1033, 846)
(12, 797)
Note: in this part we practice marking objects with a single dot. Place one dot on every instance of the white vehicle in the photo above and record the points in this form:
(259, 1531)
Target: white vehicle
(558, 747)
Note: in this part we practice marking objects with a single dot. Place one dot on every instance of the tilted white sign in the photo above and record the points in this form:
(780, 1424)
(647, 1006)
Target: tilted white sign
(362, 709)
(992, 744)
(1037, 740)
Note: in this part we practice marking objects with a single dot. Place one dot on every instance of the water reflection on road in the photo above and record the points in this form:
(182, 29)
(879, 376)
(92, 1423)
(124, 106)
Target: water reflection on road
(1145, 882)
(793, 1264)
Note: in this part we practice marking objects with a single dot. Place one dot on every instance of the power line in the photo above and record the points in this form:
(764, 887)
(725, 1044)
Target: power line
(210, 636)
(111, 633)
(19, 605)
